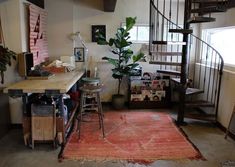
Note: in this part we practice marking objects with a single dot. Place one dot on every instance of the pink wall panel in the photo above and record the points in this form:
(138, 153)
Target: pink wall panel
(37, 34)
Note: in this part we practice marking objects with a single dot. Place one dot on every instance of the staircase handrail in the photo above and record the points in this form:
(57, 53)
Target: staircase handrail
(221, 58)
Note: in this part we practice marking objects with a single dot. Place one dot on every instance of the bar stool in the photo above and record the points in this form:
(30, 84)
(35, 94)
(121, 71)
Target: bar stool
(90, 81)
(86, 92)
(93, 82)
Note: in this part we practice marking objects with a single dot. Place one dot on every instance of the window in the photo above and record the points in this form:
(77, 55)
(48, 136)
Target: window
(139, 33)
(223, 40)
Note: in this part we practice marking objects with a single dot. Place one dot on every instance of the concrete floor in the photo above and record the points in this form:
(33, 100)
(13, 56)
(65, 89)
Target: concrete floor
(206, 137)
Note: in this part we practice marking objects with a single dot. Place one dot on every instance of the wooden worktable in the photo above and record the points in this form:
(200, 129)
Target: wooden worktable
(56, 85)
(61, 82)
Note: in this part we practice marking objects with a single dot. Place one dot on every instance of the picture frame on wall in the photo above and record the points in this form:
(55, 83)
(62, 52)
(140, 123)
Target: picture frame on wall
(79, 54)
(98, 28)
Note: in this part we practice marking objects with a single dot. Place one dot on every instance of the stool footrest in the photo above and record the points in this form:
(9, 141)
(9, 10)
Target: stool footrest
(90, 105)
(96, 108)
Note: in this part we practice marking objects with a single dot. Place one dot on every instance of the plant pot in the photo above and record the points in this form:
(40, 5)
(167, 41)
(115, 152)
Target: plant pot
(118, 101)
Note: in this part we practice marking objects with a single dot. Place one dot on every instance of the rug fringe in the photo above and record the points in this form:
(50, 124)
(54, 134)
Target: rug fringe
(199, 156)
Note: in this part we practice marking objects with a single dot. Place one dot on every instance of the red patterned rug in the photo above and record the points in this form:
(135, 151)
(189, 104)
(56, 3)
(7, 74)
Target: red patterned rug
(132, 136)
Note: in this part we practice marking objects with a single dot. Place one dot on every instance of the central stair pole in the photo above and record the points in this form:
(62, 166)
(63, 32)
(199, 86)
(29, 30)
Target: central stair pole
(183, 77)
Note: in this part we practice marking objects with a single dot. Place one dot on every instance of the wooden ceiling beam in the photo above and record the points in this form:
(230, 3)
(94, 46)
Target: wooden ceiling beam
(39, 3)
(109, 5)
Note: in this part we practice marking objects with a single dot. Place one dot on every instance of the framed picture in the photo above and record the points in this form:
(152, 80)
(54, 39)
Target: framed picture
(79, 54)
(97, 28)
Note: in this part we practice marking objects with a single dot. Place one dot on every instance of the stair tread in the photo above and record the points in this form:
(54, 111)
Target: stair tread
(205, 117)
(167, 53)
(169, 43)
(200, 19)
(193, 91)
(210, 2)
(176, 80)
(200, 103)
(170, 72)
(183, 31)
(209, 9)
(165, 63)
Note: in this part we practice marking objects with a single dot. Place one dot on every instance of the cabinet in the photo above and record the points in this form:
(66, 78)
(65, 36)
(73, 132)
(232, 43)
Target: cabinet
(149, 92)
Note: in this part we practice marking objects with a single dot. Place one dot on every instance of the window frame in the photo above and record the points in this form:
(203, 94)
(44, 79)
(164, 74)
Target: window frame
(206, 36)
(123, 24)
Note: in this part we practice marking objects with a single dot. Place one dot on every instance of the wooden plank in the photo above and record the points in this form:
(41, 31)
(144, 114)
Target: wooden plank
(61, 82)
(39, 3)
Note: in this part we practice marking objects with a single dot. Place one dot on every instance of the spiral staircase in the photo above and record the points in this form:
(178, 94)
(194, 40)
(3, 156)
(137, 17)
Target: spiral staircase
(194, 66)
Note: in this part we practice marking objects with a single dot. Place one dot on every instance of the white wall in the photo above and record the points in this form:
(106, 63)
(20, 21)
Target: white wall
(11, 24)
(59, 27)
(89, 12)
(13, 20)
(227, 97)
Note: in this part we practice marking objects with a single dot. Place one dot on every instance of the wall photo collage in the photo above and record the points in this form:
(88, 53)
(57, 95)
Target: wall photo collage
(148, 88)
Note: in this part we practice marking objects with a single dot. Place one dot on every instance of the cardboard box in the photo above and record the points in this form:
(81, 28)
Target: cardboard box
(55, 70)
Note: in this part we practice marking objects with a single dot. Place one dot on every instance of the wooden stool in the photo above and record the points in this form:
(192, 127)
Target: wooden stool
(90, 81)
(88, 91)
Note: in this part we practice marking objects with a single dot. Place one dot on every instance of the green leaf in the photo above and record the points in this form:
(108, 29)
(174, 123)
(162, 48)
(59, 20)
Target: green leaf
(130, 22)
(120, 46)
(111, 41)
(111, 61)
(136, 58)
(102, 42)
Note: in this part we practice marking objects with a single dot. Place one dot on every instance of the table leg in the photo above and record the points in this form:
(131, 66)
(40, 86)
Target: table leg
(61, 114)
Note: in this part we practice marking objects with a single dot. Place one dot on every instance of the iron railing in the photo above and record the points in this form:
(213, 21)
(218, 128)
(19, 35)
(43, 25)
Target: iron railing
(204, 63)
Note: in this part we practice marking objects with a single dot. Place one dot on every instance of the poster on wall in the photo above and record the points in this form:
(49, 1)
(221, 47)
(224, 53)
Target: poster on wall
(38, 44)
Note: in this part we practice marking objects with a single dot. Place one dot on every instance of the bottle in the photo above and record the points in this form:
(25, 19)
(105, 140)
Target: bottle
(95, 73)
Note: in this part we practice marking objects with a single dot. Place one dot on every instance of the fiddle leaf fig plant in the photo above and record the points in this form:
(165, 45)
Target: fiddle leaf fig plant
(5, 60)
(123, 61)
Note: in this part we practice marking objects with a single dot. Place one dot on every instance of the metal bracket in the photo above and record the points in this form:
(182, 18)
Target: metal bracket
(15, 92)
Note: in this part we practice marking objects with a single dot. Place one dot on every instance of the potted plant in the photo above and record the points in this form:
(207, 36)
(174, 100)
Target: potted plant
(5, 59)
(124, 61)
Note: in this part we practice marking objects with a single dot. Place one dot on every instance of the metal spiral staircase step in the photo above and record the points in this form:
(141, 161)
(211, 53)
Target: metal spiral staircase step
(166, 53)
(193, 91)
(204, 117)
(169, 72)
(214, 2)
(209, 9)
(169, 43)
(199, 104)
(200, 19)
(183, 31)
(165, 63)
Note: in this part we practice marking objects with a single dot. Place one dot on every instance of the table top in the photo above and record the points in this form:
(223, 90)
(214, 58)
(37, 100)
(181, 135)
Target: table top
(61, 82)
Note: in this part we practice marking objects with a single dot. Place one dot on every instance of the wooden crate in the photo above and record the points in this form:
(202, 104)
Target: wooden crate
(43, 123)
